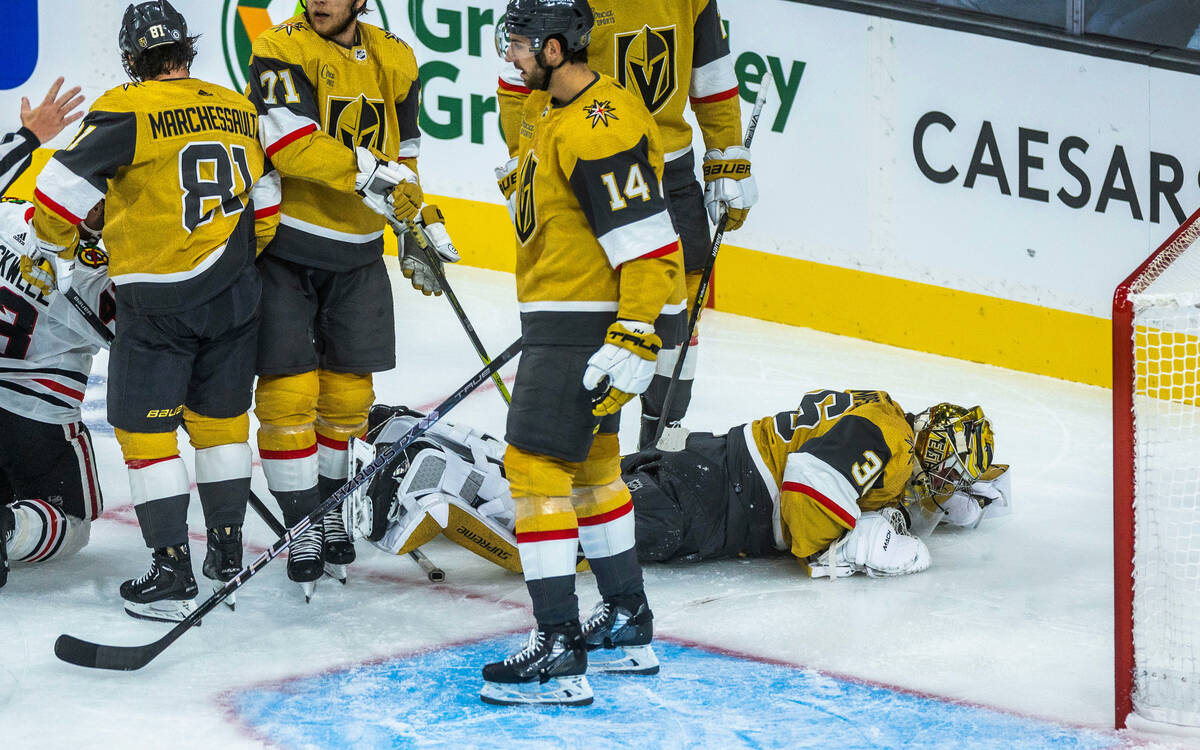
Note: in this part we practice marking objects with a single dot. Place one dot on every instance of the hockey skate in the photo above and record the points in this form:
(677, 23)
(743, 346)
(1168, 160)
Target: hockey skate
(339, 550)
(166, 592)
(306, 559)
(224, 558)
(550, 670)
(618, 638)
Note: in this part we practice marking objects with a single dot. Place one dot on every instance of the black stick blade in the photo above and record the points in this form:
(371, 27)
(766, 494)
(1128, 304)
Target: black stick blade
(94, 656)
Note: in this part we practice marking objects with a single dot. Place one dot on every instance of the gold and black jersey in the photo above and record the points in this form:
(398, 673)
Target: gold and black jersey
(666, 53)
(175, 161)
(318, 101)
(839, 454)
(589, 208)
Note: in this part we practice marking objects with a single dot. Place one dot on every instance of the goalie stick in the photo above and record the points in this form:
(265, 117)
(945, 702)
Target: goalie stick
(432, 571)
(98, 656)
(439, 273)
(706, 274)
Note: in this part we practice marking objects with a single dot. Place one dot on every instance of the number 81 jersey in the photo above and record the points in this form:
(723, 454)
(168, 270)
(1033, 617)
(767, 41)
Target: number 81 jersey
(176, 160)
(838, 454)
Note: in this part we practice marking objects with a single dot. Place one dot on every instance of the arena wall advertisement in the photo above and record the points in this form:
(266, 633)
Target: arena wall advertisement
(927, 188)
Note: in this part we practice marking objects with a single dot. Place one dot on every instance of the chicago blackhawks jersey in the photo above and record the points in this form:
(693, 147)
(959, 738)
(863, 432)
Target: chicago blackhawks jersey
(46, 346)
(318, 101)
(589, 205)
(175, 161)
(839, 454)
(665, 53)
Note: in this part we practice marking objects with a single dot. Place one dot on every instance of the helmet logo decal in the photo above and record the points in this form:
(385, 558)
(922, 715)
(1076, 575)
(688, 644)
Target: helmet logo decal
(646, 65)
(356, 122)
(526, 219)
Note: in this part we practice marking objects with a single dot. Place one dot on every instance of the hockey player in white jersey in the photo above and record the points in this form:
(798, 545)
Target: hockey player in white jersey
(49, 487)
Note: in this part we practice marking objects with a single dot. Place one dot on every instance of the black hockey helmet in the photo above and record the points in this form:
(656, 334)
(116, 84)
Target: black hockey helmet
(146, 26)
(541, 19)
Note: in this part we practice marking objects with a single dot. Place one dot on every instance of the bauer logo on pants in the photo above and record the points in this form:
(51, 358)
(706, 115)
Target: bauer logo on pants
(646, 64)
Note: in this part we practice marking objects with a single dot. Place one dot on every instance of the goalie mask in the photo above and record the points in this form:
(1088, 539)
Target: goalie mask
(953, 448)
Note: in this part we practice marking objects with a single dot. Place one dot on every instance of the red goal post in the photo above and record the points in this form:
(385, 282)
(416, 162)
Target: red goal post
(1156, 486)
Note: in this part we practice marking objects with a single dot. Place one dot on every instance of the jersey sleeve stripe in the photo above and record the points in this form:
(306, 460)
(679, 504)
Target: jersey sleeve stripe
(718, 97)
(283, 141)
(714, 79)
(64, 192)
(625, 243)
(809, 475)
(516, 88)
(59, 388)
(666, 249)
(16, 151)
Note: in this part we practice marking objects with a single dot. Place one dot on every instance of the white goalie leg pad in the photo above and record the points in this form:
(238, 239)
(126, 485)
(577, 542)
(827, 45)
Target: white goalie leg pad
(564, 691)
(874, 547)
(419, 520)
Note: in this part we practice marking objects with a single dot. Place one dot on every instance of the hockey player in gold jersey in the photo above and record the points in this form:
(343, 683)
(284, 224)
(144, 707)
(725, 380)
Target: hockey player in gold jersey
(671, 54)
(338, 100)
(177, 160)
(598, 264)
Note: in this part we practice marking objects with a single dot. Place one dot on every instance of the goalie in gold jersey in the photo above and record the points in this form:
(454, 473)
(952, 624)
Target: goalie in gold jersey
(179, 165)
(338, 100)
(672, 55)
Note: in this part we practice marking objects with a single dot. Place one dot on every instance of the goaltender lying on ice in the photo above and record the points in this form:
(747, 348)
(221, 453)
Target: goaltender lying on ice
(847, 482)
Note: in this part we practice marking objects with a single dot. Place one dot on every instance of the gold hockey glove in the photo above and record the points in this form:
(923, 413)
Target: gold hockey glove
(626, 361)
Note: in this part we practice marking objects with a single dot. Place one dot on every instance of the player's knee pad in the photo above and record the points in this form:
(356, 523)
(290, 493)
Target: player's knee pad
(209, 432)
(603, 462)
(532, 474)
(146, 446)
(42, 531)
(286, 407)
(343, 404)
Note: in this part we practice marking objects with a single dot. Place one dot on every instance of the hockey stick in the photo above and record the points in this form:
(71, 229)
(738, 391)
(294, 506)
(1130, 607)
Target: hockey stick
(89, 315)
(432, 571)
(98, 656)
(435, 265)
(706, 274)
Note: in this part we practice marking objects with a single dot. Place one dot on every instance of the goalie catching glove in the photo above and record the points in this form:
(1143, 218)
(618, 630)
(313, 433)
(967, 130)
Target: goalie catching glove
(627, 361)
(728, 185)
(429, 228)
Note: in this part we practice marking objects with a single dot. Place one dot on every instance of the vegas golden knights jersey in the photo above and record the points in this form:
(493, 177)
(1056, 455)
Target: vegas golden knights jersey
(590, 201)
(318, 101)
(841, 453)
(175, 161)
(665, 52)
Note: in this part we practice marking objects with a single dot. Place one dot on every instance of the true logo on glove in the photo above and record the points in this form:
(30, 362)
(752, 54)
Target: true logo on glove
(624, 338)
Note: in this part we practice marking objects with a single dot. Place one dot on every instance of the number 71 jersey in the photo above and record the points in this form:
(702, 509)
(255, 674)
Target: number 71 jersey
(839, 454)
(175, 161)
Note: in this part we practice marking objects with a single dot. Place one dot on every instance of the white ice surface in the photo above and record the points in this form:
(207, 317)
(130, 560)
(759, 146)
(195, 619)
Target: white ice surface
(1015, 615)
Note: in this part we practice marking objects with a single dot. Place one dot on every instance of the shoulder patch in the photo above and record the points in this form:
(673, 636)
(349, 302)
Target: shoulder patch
(289, 28)
(600, 112)
(92, 257)
(7, 199)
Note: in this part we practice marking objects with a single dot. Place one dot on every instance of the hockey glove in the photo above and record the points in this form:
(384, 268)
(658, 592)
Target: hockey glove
(506, 178)
(377, 179)
(47, 266)
(434, 223)
(626, 360)
(416, 269)
(728, 185)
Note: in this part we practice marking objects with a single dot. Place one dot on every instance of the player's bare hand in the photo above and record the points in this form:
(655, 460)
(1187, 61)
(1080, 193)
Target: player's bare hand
(54, 114)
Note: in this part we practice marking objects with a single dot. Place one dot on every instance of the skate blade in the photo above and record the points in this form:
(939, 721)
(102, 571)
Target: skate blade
(166, 610)
(310, 588)
(336, 572)
(557, 691)
(624, 660)
(229, 601)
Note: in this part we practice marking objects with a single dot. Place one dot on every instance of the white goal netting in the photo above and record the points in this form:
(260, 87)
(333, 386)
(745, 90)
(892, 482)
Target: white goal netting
(1165, 383)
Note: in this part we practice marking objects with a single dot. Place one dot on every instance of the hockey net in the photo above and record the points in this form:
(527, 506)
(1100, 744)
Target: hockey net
(1156, 485)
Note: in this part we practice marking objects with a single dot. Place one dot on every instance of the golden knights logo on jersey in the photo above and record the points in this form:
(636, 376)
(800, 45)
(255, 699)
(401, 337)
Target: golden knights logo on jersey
(357, 122)
(645, 64)
(526, 213)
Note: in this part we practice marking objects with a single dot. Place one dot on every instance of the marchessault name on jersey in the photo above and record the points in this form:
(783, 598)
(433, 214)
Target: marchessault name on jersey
(170, 123)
